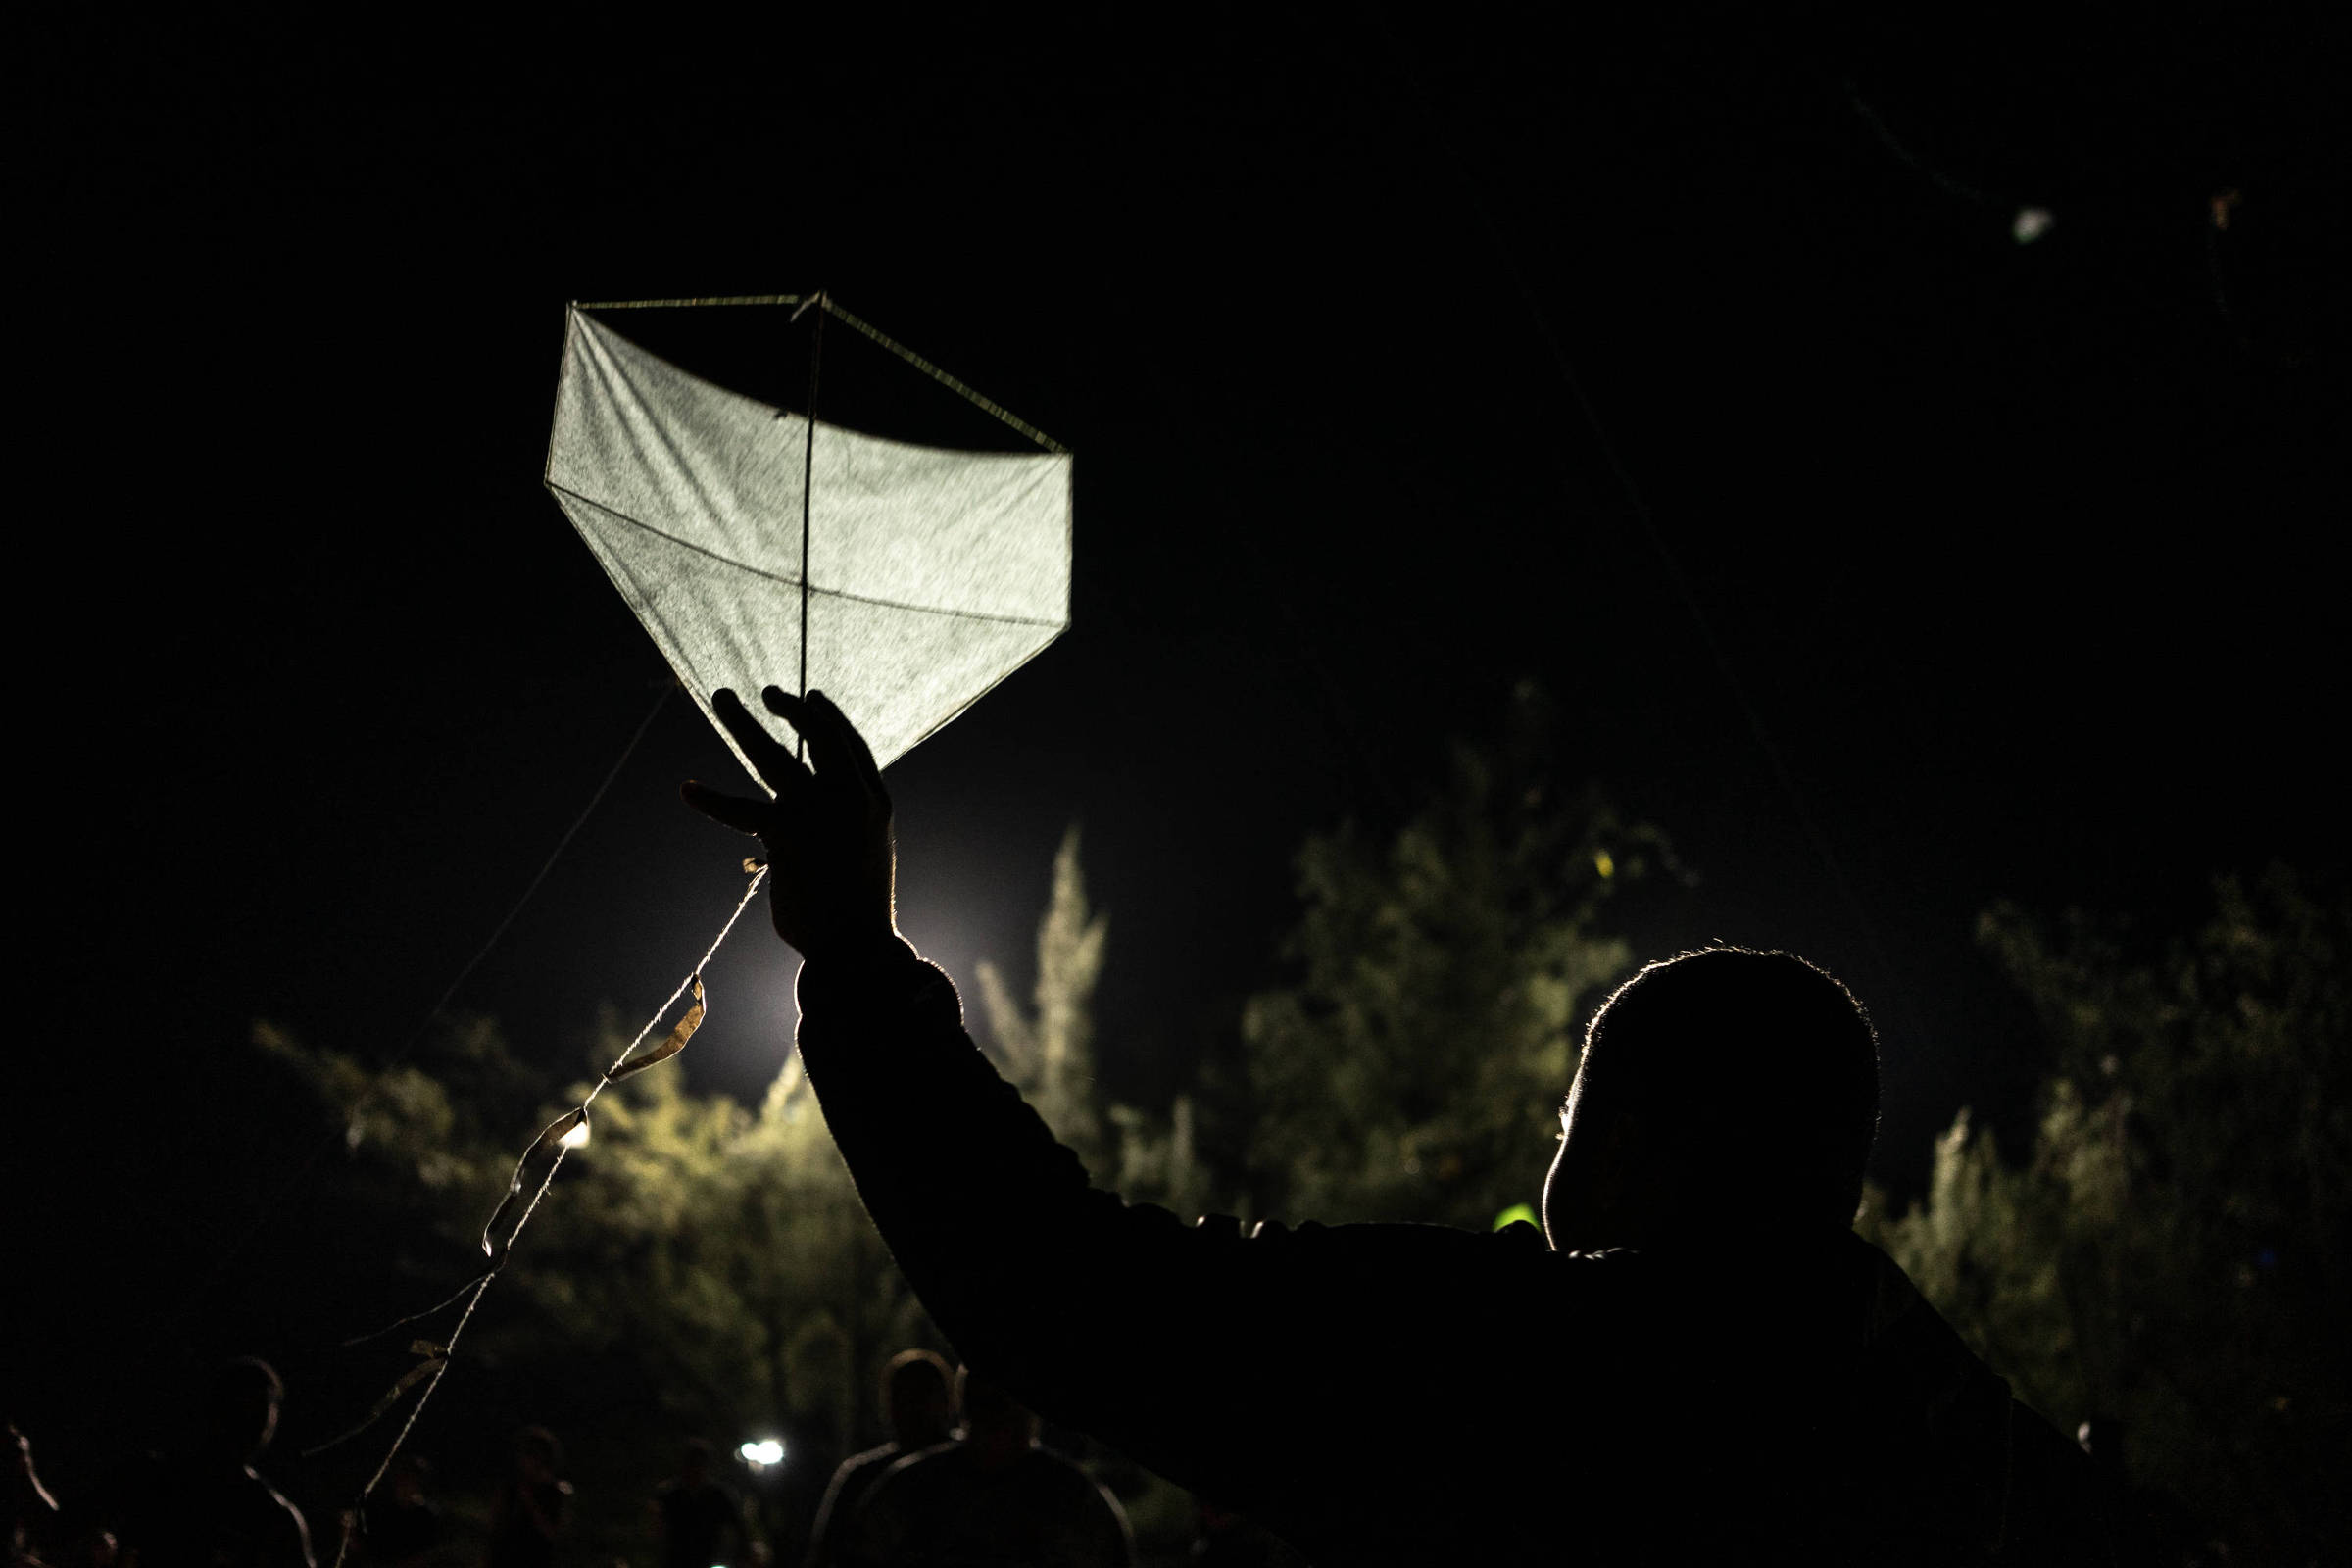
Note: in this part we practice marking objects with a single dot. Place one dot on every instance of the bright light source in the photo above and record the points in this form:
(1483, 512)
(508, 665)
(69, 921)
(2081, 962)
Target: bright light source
(577, 1136)
(2032, 224)
(760, 1456)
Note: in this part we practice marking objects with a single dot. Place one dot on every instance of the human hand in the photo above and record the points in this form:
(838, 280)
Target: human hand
(832, 865)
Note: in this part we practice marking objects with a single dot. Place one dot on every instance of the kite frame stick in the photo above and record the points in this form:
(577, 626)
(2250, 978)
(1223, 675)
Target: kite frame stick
(825, 305)
(712, 299)
(990, 405)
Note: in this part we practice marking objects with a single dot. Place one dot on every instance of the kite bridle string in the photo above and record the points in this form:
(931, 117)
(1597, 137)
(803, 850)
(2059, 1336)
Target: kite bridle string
(581, 1116)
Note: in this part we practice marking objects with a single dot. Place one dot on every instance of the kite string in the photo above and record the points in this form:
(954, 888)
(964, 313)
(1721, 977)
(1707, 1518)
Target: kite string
(579, 1115)
(224, 1257)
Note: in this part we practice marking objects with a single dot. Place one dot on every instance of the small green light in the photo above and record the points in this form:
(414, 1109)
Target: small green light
(1517, 1213)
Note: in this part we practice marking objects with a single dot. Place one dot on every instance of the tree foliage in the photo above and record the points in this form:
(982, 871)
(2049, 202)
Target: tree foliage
(1048, 1050)
(2171, 1250)
(700, 1259)
(1414, 1067)
(2171, 1253)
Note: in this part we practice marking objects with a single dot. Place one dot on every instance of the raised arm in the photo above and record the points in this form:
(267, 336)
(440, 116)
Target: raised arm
(1210, 1356)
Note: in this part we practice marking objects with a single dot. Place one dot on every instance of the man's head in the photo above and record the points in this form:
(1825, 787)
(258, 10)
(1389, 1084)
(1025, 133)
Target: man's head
(1722, 1094)
(919, 1394)
(694, 1465)
(239, 1416)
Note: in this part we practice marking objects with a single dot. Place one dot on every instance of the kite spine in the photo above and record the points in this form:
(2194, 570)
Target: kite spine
(817, 360)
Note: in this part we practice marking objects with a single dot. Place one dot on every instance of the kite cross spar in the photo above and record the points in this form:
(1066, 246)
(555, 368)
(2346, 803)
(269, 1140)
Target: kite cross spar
(903, 580)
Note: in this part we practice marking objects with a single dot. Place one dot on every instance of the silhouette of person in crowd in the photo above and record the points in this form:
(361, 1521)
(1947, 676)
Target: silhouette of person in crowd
(1226, 1540)
(918, 1399)
(527, 1518)
(404, 1527)
(998, 1496)
(1694, 1360)
(696, 1519)
(32, 1512)
(205, 1505)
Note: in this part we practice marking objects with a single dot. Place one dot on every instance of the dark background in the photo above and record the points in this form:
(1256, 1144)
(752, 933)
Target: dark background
(1684, 364)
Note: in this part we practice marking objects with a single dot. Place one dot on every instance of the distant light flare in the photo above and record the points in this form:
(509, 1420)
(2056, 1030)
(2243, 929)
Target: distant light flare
(762, 1453)
(577, 1136)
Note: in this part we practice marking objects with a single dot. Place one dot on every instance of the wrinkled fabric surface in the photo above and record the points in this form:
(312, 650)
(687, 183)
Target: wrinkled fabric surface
(1415, 1394)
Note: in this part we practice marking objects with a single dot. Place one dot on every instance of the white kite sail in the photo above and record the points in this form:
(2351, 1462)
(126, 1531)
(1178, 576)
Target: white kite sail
(931, 574)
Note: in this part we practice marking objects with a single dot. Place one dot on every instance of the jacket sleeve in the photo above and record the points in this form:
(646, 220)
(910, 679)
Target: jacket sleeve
(1208, 1356)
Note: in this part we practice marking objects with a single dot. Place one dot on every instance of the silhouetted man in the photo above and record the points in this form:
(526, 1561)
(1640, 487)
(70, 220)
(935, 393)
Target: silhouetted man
(919, 1400)
(528, 1519)
(1695, 1361)
(997, 1497)
(206, 1506)
(695, 1517)
(404, 1527)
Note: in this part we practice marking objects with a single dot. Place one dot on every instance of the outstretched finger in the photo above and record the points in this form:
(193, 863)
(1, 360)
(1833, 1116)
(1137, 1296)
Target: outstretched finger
(834, 744)
(768, 756)
(733, 811)
(831, 759)
(859, 755)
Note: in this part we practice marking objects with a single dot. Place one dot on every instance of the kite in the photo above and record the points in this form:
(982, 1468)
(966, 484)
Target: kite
(757, 544)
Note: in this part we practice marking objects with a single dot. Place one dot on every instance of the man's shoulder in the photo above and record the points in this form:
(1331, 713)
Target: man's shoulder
(1387, 1243)
(1058, 1484)
(860, 1471)
(910, 1483)
(901, 1468)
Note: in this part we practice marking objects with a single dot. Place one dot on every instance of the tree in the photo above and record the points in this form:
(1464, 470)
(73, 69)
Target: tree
(702, 1259)
(1413, 1068)
(1047, 1050)
(1050, 1051)
(2173, 1250)
(698, 1262)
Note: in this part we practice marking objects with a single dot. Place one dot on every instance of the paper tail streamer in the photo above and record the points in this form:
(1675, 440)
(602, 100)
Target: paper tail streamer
(540, 1162)
(436, 1358)
(667, 1049)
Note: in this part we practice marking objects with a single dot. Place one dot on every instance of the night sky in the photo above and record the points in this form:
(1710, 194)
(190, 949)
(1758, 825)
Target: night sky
(1687, 365)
